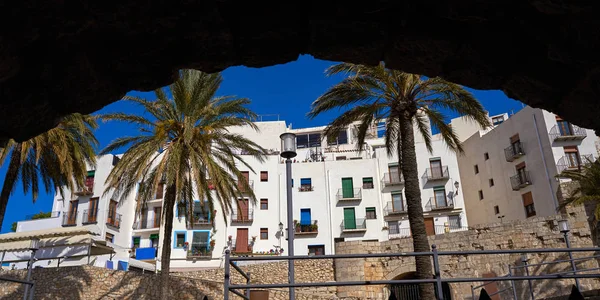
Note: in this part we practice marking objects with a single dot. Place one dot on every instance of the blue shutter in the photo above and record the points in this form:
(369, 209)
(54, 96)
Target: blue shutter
(305, 181)
(305, 216)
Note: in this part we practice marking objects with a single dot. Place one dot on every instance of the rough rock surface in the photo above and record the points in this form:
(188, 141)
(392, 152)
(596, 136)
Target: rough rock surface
(60, 57)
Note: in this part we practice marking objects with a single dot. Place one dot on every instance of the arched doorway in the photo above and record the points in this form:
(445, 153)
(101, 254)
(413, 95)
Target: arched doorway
(410, 291)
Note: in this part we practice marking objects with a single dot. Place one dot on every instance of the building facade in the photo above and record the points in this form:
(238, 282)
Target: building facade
(512, 171)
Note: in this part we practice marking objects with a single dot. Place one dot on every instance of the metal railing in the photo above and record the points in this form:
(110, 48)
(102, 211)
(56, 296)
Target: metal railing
(87, 190)
(199, 250)
(514, 151)
(354, 225)
(435, 174)
(113, 219)
(391, 179)
(571, 132)
(148, 223)
(69, 219)
(235, 250)
(391, 209)
(90, 216)
(346, 196)
(245, 186)
(30, 286)
(434, 204)
(566, 164)
(54, 214)
(311, 228)
(437, 279)
(305, 188)
(242, 216)
(201, 219)
(520, 180)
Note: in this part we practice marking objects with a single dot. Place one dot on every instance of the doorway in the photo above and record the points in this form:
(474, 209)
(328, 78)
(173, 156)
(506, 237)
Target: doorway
(347, 188)
(349, 218)
(429, 226)
(241, 242)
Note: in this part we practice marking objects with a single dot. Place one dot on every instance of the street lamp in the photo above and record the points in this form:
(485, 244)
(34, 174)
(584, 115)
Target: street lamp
(524, 260)
(288, 151)
(456, 185)
(34, 246)
(563, 226)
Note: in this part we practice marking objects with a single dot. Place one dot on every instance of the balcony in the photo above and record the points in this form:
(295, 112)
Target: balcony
(305, 188)
(398, 233)
(392, 179)
(90, 216)
(566, 164)
(520, 180)
(569, 133)
(347, 195)
(144, 224)
(245, 186)
(242, 216)
(69, 219)
(514, 151)
(200, 250)
(391, 209)
(357, 225)
(434, 174)
(113, 220)
(201, 220)
(235, 250)
(307, 229)
(87, 190)
(439, 204)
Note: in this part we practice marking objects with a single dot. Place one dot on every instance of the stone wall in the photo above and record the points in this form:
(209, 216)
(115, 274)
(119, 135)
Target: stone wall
(532, 233)
(276, 272)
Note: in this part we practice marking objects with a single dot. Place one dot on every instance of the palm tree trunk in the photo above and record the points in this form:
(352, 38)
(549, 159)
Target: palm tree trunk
(165, 260)
(412, 191)
(10, 179)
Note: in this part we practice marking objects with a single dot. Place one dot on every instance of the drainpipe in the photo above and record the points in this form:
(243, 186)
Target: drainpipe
(329, 215)
(537, 132)
(379, 192)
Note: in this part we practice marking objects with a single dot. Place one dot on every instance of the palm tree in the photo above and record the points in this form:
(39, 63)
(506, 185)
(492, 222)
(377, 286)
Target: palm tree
(59, 158)
(585, 187)
(370, 94)
(184, 143)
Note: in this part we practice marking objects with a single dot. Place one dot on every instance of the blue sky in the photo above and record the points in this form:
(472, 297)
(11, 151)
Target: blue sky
(286, 90)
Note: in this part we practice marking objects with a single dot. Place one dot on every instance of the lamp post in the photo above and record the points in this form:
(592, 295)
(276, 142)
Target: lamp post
(456, 185)
(280, 234)
(563, 226)
(33, 246)
(524, 260)
(288, 151)
(501, 218)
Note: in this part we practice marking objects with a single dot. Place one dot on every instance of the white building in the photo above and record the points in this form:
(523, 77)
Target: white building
(512, 171)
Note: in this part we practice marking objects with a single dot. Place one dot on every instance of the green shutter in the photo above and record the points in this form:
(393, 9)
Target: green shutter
(393, 164)
(91, 173)
(347, 188)
(154, 236)
(437, 188)
(349, 218)
(367, 179)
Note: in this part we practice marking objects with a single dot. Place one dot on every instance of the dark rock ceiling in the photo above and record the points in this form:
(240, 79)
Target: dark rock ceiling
(59, 57)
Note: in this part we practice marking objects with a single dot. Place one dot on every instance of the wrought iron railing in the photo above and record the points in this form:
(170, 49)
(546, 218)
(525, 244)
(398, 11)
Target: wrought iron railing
(148, 223)
(242, 216)
(354, 225)
(311, 228)
(391, 209)
(305, 188)
(199, 250)
(113, 219)
(570, 132)
(391, 179)
(69, 219)
(439, 204)
(201, 219)
(520, 180)
(234, 248)
(567, 164)
(514, 151)
(90, 216)
(346, 194)
(436, 174)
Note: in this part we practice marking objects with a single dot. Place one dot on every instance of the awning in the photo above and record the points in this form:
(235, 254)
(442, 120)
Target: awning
(47, 233)
(141, 265)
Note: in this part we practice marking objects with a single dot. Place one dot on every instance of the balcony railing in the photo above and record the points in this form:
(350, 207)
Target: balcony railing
(113, 220)
(436, 174)
(306, 229)
(305, 188)
(520, 180)
(69, 219)
(146, 224)
(245, 187)
(199, 250)
(566, 164)
(391, 209)
(354, 225)
(570, 133)
(87, 190)
(349, 195)
(201, 220)
(242, 216)
(439, 204)
(235, 250)
(391, 179)
(90, 216)
(514, 151)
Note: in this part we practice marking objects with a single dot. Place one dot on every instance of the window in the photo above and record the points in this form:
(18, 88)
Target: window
(305, 184)
(515, 143)
(440, 196)
(476, 167)
(179, 240)
(136, 242)
(159, 191)
(564, 127)
(316, 250)
(341, 139)
(491, 180)
(454, 222)
(92, 211)
(370, 213)
(201, 212)
(264, 204)
(109, 237)
(89, 181)
(528, 204)
(496, 210)
(308, 140)
(397, 202)
(497, 120)
(521, 172)
(264, 176)
(264, 233)
(368, 182)
(572, 157)
(112, 213)
(486, 156)
(436, 167)
(393, 227)
(480, 195)
(200, 243)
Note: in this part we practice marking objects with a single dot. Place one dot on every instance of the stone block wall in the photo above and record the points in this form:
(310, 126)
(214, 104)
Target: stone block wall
(531, 233)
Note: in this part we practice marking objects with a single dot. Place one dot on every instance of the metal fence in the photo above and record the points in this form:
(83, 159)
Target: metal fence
(243, 290)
